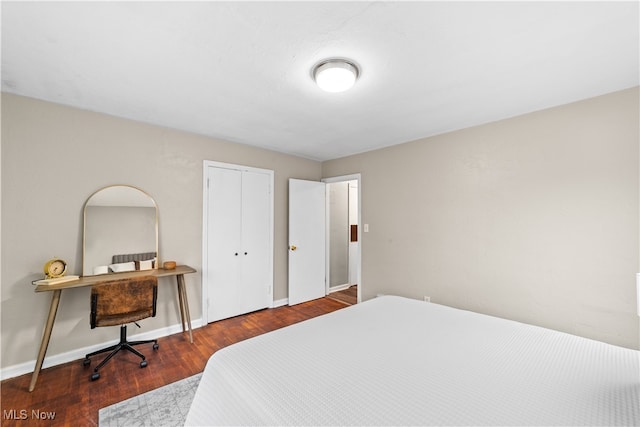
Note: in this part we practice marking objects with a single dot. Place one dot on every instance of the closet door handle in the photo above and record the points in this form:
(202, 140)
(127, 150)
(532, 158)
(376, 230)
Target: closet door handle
(236, 253)
(246, 253)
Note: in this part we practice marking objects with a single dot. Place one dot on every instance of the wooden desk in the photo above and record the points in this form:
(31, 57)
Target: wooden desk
(178, 272)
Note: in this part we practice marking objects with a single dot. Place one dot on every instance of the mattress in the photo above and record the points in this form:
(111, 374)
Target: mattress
(398, 361)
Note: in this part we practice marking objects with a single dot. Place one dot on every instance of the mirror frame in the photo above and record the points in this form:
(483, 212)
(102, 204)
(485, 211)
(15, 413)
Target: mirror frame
(84, 214)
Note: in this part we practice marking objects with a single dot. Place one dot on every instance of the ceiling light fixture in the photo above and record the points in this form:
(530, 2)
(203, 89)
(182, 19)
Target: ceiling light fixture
(335, 75)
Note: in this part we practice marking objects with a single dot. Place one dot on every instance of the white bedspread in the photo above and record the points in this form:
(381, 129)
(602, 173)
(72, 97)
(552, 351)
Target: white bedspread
(397, 361)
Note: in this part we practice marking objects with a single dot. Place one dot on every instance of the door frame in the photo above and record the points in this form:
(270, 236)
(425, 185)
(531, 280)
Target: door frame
(343, 178)
(205, 228)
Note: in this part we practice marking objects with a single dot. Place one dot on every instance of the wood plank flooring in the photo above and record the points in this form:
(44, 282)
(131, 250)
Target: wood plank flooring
(347, 296)
(66, 391)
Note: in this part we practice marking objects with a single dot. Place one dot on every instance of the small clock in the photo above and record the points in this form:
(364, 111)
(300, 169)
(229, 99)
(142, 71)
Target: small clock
(55, 267)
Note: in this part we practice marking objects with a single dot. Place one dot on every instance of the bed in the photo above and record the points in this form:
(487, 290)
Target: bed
(398, 361)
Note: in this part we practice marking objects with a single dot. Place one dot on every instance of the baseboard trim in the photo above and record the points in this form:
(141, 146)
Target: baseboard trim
(280, 302)
(70, 356)
(339, 288)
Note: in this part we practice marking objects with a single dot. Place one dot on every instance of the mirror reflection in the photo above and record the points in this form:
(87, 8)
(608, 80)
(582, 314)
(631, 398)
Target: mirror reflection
(120, 231)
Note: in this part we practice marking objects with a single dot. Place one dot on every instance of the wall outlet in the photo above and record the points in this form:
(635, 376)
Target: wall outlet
(427, 299)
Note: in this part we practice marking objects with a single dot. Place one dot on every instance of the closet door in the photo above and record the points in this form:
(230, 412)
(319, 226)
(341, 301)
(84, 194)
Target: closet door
(255, 271)
(223, 242)
(239, 246)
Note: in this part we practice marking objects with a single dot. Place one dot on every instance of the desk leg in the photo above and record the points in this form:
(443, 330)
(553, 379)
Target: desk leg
(183, 320)
(184, 306)
(55, 301)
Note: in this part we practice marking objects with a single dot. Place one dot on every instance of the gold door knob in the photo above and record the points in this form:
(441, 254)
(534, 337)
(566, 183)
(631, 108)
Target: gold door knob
(293, 247)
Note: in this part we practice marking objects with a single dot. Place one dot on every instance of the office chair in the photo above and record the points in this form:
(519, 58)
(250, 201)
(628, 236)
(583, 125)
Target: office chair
(118, 302)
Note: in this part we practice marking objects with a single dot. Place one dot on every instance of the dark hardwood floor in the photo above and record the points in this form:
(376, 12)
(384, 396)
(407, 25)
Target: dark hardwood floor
(66, 391)
(347, 296)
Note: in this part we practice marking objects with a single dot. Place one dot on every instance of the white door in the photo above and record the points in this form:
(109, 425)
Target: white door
(239, 241)
(255, 276)
(307, 227)
(224, 225)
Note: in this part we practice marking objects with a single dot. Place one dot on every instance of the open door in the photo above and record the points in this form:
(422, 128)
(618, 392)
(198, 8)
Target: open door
(307, 228)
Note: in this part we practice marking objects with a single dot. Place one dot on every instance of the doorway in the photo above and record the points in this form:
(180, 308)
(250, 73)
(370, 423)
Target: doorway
(310, 268)
(343, 238)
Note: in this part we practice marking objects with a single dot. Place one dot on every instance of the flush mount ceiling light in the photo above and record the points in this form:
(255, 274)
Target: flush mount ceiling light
(335, 75)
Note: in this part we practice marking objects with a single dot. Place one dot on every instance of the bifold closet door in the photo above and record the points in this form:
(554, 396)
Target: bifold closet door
(223, 240)
(255, 281)
(239, 242)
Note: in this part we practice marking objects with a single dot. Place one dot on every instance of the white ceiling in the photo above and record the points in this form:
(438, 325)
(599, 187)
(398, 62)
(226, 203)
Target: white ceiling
(241, 71)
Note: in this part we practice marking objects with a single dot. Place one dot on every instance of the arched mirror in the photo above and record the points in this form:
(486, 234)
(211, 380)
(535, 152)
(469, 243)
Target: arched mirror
(120, 231)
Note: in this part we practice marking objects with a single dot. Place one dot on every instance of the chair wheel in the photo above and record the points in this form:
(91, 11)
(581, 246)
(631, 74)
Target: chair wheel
(155, 346)
(95, 376)
(143, 364)
(86, 362)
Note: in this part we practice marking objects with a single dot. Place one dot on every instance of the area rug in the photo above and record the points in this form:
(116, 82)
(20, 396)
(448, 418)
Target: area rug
(164, 406)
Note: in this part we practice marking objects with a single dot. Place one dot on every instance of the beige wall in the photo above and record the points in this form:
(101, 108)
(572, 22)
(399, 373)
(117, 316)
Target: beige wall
(534, 218)
(54, 158)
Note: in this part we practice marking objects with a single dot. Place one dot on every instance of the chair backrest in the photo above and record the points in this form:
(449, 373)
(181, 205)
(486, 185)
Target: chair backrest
(121, 301)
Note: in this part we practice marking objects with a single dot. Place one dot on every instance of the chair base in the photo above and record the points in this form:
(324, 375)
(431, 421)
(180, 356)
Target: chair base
(114, 349)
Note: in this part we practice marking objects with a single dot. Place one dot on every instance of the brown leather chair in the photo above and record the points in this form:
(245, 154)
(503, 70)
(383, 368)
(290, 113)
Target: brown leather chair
(118, 302)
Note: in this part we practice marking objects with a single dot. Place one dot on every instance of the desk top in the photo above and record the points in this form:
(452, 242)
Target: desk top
(92, 280)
